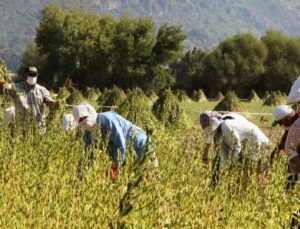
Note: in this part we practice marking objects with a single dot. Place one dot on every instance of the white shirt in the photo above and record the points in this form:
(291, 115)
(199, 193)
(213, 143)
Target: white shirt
(236, 131)
(210, 132)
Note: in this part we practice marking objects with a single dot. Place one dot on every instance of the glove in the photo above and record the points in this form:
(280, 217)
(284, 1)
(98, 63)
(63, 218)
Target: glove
(114, 172)
(54, 105)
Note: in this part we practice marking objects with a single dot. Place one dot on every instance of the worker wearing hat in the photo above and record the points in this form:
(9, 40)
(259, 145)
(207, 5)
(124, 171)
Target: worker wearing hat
(284, 116)
(289, 119)
(234, 129)
(30, 99)
(114, 128)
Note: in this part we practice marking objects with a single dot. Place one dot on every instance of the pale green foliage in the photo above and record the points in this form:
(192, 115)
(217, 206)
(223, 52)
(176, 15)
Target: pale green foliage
(75, 98)
(275, 98)
(229, 103)
(199, 96)
(169, 111)
(254, 97)
(112, 97)
(39, 187)
(137, 109)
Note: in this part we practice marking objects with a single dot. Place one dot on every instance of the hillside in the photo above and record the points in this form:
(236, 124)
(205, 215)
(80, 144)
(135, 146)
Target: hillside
(205, 22)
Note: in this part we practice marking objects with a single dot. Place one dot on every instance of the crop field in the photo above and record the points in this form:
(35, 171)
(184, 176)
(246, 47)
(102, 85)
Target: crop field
(39, 187)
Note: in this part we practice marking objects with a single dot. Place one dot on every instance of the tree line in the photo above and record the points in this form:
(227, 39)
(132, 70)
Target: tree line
(101, 51)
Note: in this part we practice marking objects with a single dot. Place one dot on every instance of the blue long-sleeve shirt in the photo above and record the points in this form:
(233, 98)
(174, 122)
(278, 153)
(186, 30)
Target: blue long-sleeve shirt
(119, 130)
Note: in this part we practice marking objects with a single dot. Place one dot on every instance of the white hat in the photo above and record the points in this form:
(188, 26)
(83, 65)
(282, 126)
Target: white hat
(69, 122)
(294, 95)
(9, 115)
(282, 111)
(83, 110)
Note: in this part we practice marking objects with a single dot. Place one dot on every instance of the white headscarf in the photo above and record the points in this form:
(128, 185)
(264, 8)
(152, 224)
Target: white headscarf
(69, 122)
(9, 115)
(282, 111)
(294, 95)
(85, 110)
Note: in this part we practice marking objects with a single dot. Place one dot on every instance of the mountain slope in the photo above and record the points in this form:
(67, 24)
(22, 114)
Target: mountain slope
(205, 22)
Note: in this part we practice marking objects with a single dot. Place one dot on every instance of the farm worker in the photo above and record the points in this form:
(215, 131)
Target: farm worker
(30, 99)
(69, 122)
(116, 129)
(292, 148)
(289, 119)
(294, 95)
(284, 116)
(9, 116)
(234, 130)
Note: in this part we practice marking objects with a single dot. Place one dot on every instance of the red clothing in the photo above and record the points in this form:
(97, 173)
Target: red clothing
(284, 136)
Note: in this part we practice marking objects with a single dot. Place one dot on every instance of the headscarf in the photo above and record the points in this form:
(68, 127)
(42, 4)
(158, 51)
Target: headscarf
(210, 118)
(83, 110)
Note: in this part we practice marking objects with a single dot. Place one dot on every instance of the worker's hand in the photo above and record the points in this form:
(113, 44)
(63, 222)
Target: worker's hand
(114, 172)
(54, 105)
(2, 85)
(205, 160)
(281, 153)
(294, 164)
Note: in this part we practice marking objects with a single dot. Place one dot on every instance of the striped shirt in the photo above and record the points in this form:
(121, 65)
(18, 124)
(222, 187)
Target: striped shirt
(30, 100)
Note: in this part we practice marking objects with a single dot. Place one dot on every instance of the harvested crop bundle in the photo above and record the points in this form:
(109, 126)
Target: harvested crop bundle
(199, 96)
(137, 109)
(75, 98)
(254, 97)
(229, 103)
(168, 109)
(181, 95)
(220, 96)
(275, 98)
(111, 97)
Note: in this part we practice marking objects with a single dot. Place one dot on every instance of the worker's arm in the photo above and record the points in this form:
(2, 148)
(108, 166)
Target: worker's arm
(209, 140)
(47, 99)
(117, 137)
(205, 156)
(7, 88)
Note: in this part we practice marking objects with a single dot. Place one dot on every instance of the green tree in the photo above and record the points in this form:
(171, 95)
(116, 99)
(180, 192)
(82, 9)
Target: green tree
(189, 69)
(133, 51)
(283, 61)
(236, 64)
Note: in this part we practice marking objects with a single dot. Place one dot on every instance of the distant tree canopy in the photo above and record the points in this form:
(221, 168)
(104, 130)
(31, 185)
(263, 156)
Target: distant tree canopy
(241, 63)
(100, 51)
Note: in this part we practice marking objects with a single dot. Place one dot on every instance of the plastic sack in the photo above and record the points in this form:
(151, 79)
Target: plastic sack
(69, 122)
(9, 115)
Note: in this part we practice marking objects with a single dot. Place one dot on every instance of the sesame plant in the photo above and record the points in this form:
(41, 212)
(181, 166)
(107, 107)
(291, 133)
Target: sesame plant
(40, 188)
